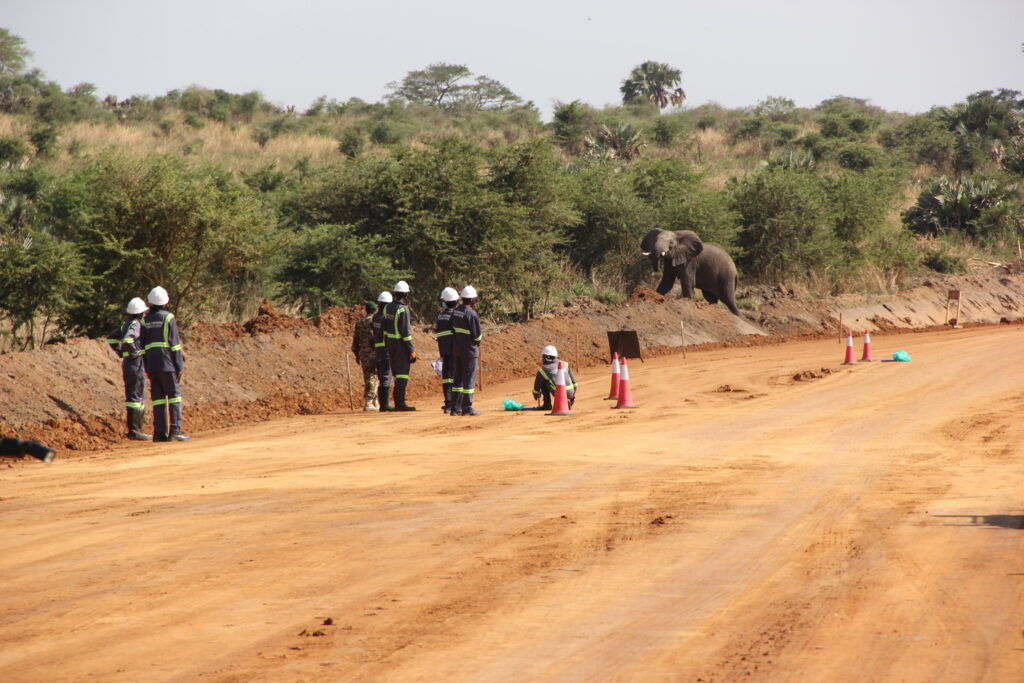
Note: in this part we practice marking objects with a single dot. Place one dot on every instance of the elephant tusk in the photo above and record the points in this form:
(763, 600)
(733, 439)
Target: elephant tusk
(646, 253)
(663, 253)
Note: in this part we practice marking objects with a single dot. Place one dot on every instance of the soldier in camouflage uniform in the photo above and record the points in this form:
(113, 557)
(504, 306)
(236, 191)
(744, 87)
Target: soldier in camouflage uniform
(363, 348)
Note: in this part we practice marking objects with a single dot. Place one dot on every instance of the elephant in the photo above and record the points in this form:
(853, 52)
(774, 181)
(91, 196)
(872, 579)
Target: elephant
(702, 264)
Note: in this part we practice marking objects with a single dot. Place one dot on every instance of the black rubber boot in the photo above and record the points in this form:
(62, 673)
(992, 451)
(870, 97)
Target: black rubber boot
(135, 418)
(400, 404)
(160, 423)
(382, 398)
(176, 435)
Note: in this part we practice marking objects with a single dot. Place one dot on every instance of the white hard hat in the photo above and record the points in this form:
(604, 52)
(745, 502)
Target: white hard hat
(136, 306)
(549, 350)
(401, 287)
(384, 297)
(449, 294)
(468, 292)
(158, 296)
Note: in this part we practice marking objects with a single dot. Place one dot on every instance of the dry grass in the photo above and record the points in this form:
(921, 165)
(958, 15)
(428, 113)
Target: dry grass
(10, 126)
(232, 148)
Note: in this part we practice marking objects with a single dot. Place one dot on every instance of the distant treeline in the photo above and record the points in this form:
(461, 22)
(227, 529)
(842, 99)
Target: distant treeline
(225, 199)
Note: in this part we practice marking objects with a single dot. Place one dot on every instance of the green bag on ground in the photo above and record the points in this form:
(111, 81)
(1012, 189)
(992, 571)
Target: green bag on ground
(901, 355)
(509, 404)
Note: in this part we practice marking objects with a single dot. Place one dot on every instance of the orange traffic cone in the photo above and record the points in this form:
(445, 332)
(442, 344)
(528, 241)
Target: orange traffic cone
(867, 347)
(561, 402)
(625, 395)
(849, 350)
(613, 393)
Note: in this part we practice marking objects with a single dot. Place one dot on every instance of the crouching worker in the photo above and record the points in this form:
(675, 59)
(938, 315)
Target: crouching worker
(15, 448)
(127, 344)
(544, 383)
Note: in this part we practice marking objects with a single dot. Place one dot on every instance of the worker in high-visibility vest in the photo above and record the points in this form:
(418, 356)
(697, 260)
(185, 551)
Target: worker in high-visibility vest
(466, 326)
(164, 364)
(544, 382)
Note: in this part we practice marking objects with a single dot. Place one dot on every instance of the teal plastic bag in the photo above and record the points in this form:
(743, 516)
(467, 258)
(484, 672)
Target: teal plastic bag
(901, 355)
(509, 404)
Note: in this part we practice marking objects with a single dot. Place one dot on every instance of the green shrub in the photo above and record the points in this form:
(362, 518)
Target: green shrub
(138, 222)
(351, 143)
(942, 259)
(785, 230)
(954, 206)
(13, 150)
(44, 138)
(571, 123)
(330, 265)
(859, 156)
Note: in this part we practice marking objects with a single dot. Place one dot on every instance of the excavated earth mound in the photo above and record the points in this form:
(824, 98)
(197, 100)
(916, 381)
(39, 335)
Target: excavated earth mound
(70, 394)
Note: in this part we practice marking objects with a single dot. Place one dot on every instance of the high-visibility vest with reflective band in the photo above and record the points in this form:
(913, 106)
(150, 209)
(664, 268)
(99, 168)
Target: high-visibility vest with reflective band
(443, 331)
(126, 340)
(161, 342)
(466, 326)
(396, 324)
(546, 377)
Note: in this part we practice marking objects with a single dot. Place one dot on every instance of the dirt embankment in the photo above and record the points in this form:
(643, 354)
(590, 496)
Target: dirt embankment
(70, 394)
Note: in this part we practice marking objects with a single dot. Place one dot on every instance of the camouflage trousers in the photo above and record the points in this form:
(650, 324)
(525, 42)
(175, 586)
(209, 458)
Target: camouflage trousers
(370, 381)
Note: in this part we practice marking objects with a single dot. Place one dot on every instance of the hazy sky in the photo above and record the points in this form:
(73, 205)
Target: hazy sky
(902, 55)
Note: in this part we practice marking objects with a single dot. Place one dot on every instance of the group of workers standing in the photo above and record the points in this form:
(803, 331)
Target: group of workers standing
(382, 341)
(149, 345)
(386, 330)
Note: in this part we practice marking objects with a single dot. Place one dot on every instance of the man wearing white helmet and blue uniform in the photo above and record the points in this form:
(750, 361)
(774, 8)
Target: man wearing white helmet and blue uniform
(164, 365)
(398, 340)
(545, 381)
(445, 344)
(127, 344)
(383, 362)
(466, 326)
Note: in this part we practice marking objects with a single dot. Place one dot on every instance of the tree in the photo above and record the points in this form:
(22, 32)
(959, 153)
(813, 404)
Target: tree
(39, 277)
(655, 82)
(13, 53)
(775, 108)
(138, 222)
(785, 228)
(570, 124)
(329, 265)
(433, 85)
(451, 86)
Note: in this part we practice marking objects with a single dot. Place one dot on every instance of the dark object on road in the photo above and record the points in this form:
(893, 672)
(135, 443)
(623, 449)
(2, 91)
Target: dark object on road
(15, 448)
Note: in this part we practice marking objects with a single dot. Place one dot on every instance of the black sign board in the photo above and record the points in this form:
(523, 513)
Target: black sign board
(625, 343)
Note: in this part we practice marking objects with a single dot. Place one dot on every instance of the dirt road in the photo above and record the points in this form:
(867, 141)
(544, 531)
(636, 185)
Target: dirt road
(866, 524)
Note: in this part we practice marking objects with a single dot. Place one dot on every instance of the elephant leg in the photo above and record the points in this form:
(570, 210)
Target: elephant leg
(710, 296)
(729, 297)
(688, 285)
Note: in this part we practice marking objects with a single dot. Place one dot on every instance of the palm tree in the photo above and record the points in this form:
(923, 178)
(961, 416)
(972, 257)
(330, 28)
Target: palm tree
(655, 82)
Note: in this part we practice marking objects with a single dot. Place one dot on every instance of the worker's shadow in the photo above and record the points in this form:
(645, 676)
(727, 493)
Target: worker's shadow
(1003, 521)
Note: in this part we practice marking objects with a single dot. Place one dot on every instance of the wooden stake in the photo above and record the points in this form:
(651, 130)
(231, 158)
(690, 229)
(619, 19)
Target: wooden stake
(480, 369)
(840, 327)
(682, 338)
(348, 380)
(579, 363)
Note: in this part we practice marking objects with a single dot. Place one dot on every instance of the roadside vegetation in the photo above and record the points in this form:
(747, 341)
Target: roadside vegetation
(225, 198)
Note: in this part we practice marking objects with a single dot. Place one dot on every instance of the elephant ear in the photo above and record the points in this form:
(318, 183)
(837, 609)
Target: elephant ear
(687, 246)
